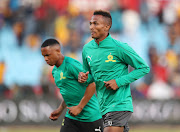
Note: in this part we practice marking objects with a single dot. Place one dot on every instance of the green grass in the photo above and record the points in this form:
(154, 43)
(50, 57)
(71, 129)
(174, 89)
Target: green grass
(57, 129)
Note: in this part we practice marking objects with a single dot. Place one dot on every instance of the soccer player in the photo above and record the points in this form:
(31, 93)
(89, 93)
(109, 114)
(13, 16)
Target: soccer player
(107, 60)
(83, 113)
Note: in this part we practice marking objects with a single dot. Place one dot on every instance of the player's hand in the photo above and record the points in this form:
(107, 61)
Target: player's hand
(74, 110)
(82, 77)
(111, 84)
(55, 115)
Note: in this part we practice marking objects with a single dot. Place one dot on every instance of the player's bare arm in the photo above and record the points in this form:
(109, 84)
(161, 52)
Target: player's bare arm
(90, 90)
(56, 113)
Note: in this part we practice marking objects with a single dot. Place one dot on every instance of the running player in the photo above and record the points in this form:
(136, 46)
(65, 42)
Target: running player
(83, 113)
(107, 60)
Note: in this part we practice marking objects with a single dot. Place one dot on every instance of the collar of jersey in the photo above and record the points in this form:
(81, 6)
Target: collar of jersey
(103, 41)
(61, 64)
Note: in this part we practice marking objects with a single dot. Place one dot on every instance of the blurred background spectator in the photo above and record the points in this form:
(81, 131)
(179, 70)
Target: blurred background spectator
(151, 27)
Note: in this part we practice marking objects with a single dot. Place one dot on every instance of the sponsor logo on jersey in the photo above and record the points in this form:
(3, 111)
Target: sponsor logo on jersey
(89, 58)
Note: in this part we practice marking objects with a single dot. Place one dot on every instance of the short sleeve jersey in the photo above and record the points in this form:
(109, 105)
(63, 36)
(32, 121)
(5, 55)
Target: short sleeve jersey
(66, 79)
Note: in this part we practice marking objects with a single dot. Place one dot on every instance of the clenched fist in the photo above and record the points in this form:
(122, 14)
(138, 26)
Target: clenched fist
(82, 77)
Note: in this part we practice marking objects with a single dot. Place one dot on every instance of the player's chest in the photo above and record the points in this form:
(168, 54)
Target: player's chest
(102, 58)
(61, 77)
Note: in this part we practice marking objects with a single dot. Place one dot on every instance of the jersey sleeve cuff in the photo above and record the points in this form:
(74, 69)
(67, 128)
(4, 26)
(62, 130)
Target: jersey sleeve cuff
(90, 79)
(118, 82)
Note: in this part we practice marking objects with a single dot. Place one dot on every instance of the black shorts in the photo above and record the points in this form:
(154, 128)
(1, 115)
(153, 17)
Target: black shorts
(70, 125)
(117, 118)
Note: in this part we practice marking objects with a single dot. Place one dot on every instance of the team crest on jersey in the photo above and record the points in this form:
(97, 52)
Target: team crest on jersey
(110, 58)
(61, 76)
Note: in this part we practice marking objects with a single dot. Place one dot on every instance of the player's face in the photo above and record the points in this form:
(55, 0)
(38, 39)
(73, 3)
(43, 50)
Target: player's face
(51, 56)
(98, 27)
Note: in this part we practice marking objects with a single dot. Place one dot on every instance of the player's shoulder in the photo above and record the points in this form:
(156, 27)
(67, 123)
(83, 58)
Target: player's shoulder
(120, 45)
(70, 62)
(89, 44)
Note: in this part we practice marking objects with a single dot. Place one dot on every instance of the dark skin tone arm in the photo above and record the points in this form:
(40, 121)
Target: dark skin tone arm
(56, 113)
(90, 90)
(53, 56)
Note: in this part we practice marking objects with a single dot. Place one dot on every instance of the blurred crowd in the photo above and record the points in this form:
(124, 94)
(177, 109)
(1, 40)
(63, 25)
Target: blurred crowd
(150, 27)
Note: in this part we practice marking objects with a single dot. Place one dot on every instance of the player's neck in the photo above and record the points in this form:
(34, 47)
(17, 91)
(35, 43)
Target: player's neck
(101, 39)
(60, 61)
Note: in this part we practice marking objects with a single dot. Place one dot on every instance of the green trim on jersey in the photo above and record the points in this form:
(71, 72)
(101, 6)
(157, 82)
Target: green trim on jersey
(107, 61)
(66, 79)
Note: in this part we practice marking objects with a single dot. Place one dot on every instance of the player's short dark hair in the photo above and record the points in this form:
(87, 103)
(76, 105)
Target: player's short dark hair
(50, 42)
(105, 14)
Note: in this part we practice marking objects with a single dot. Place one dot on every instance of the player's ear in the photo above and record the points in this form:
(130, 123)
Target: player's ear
(107, 27)
(58, 51)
